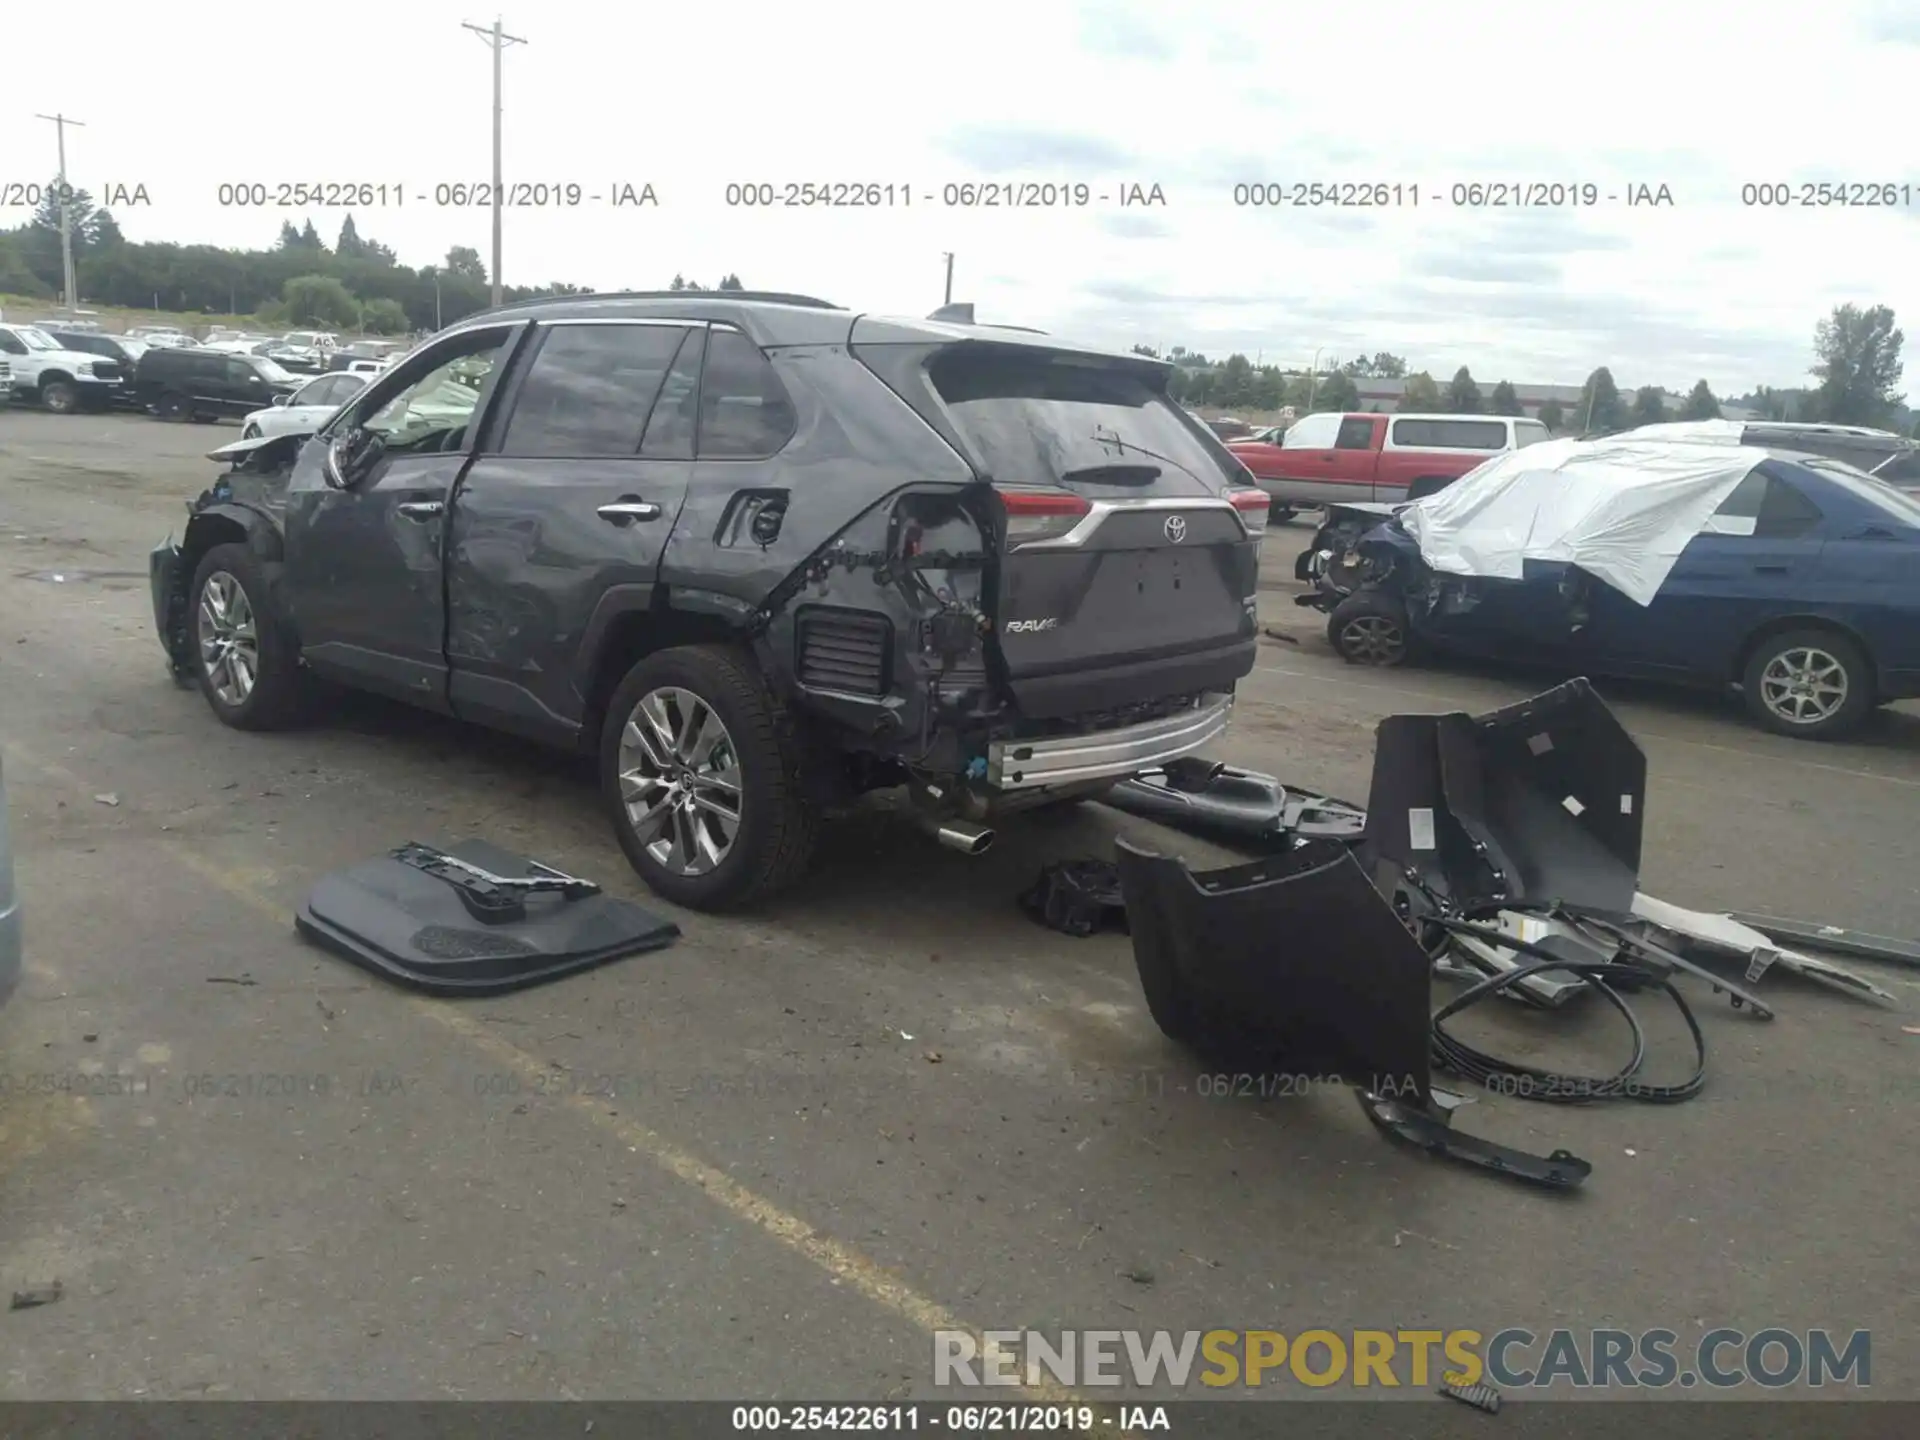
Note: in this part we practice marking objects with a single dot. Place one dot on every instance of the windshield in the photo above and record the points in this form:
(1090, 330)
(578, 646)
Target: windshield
(35, 339)
(1032, 421)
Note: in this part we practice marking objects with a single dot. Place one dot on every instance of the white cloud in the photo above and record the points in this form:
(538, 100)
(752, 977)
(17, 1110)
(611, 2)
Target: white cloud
(1700, 97)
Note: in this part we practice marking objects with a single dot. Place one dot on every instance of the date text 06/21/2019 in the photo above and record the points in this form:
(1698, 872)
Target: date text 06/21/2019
(1459, 195)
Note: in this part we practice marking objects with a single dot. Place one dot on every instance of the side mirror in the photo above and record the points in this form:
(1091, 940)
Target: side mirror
(282, 399)
(351, 456)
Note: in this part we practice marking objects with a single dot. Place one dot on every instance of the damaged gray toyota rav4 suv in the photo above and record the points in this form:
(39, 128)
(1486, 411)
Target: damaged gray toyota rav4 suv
(757, 552)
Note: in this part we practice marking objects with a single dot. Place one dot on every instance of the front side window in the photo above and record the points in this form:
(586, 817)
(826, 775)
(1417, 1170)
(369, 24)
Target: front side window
(241, 373)
(590, 389)
(426, 408)
(745, 412)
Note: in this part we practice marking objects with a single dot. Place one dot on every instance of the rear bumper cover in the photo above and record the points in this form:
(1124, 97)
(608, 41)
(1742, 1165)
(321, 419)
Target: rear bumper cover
(1106, 754)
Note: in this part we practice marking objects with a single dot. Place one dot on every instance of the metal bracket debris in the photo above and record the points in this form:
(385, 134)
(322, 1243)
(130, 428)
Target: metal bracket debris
(490, 898)
(1431, 1130)
(1857, 943)
(1725, 936)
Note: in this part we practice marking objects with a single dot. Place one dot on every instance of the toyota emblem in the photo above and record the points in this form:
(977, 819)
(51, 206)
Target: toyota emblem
(1176, 528)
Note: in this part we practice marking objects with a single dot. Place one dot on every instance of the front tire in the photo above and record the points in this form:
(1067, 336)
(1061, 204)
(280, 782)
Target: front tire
(1370, 627)
(244, 655)
(1810, 684)
(62, 397)
(249, 432)
(703, 776)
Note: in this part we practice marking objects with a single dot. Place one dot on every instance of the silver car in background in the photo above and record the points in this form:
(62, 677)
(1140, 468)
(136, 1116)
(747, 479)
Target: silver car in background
(307, 408)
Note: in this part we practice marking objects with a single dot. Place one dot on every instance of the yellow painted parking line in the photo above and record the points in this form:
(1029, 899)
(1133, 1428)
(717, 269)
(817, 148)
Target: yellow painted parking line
(843, 1264)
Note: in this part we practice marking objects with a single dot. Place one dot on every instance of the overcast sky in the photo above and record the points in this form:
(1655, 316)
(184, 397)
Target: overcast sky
(1701, 96)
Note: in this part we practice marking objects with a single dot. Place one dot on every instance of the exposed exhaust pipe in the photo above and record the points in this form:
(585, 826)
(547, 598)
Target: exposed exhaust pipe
(962, 835)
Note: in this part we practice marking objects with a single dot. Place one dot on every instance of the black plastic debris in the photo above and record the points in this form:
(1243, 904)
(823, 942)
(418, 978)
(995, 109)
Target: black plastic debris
(1299, 957)
(473, 919)
(1207, 798)
(1535, 804)
(1481, 1397)
(1077, 897)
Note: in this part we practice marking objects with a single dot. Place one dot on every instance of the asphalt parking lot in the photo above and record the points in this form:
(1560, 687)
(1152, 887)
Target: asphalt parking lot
(768, 1161)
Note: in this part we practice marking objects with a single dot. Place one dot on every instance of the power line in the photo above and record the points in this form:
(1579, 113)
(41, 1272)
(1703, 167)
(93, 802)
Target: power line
(60, 123)
(498, 40)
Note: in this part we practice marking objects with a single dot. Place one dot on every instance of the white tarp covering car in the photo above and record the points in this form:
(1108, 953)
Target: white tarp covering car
(1621, 510)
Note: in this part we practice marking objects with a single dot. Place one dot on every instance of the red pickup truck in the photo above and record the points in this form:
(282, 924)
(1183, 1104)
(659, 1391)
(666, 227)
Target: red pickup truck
(1334, 459)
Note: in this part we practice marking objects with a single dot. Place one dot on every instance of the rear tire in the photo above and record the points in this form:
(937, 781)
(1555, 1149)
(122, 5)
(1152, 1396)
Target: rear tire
(1370, 627)
(1279, 514)
(244, 654)
(698, 836)
(1811, 684)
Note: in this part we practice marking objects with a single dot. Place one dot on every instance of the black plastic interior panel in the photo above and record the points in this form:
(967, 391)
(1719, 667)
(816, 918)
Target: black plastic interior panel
(422, 931)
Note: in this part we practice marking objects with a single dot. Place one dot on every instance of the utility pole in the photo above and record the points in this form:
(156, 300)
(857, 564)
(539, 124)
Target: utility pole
(949, 299)
(499, 40)
(60, 123)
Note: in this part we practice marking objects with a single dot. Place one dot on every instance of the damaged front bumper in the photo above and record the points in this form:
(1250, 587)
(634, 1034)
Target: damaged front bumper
(167, 580)
(1107, 754)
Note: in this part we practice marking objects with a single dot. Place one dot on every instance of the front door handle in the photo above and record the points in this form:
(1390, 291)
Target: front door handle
(421, 509)
(625, 512)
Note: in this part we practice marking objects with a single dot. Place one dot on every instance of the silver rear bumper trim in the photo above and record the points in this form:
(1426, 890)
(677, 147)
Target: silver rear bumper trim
(1106, 754)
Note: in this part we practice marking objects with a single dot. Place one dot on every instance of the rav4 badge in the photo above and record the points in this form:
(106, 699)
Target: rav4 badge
(1030, 627)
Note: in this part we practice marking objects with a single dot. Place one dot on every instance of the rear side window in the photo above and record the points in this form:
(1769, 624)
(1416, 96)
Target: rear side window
(1450, 434)
(1028, 419)
(676, 414)
(1356, 433)
(590, 389)
(1766, 507)
(745, 412)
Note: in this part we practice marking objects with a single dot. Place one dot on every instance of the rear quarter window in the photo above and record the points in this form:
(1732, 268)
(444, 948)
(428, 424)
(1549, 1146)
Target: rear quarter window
(1450, 434)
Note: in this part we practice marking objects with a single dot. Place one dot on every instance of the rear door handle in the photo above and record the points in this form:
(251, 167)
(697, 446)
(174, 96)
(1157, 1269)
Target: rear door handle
(421, 509)
(625, 512)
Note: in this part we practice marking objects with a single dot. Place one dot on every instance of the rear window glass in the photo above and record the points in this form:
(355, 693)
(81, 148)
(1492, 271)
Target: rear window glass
(1450, 434)
(1032, 421)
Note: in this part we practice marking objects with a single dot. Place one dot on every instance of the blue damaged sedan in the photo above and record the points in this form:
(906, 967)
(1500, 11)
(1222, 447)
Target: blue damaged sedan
(1799, 585)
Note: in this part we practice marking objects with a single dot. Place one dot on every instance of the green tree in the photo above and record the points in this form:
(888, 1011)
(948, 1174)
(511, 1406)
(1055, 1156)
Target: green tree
(310, 239)
(465, 261)
(1463, 396)
(1649, 406)
(1553, 415)
(1422, 395)
(1506, 400)
(731, 282)
(1700, 403)
(106, 231)
(349, 246)
(1858, 366)
(1601, 408)
(1146, 350)
(289, 236)
(1337, 392)
(384, 317)
(80, 213)
(319, 300)
(1387, 367)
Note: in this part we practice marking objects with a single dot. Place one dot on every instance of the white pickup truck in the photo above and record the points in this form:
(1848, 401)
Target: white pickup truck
(61, 380)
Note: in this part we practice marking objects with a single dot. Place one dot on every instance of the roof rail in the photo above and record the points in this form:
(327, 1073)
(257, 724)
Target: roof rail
(768, 297)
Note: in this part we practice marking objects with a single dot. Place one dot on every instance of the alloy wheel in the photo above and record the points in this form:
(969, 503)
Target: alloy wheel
(229, 639)
(680, 781)
(1373, 640)
(1804, 685)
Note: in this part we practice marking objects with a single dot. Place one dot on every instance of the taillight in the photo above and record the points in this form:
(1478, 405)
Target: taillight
(1040, 514)
(1252, 506)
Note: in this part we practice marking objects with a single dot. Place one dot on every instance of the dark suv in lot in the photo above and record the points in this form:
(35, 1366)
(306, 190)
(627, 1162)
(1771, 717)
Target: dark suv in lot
(197, 384)
(759, 554)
